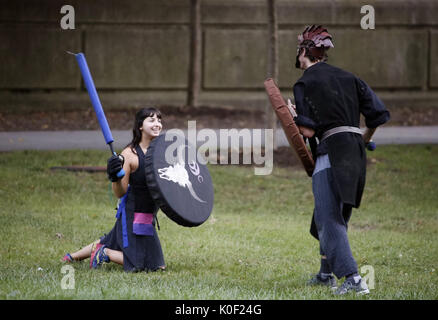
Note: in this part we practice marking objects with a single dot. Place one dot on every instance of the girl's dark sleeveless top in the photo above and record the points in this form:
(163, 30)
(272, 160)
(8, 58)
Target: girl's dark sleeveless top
(139, 189)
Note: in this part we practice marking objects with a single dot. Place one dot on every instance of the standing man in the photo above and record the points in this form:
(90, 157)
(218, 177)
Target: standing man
(329, 102)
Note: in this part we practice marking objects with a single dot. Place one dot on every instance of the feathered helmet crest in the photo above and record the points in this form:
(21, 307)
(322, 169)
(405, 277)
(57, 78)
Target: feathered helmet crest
(316, 40)
(318, 35)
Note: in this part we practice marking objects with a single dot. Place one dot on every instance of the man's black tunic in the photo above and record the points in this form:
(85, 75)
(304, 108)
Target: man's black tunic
(327, 97)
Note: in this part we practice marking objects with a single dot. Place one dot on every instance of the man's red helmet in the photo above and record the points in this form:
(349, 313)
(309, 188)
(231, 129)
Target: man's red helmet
(316, 40)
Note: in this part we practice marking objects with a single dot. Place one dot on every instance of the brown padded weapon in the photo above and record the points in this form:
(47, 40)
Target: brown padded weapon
(290, 128)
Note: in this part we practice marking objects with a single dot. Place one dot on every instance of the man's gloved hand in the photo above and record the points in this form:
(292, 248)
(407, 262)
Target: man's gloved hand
(371, 145)
(115, 164)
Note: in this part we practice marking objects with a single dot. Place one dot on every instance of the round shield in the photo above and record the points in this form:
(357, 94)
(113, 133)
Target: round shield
(178, 183)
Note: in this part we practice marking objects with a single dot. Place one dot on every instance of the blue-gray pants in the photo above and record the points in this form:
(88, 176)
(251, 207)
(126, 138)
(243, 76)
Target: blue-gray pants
(331, 219)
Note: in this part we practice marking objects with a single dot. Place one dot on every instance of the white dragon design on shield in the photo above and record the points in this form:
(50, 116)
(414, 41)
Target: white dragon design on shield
(177, 173)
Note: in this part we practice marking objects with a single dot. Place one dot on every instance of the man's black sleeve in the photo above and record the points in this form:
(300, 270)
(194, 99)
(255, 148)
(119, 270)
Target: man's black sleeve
(371, 106)
(303, 112)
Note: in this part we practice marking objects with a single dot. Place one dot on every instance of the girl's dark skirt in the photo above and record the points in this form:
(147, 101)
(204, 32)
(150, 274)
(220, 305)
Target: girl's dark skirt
(144, 252)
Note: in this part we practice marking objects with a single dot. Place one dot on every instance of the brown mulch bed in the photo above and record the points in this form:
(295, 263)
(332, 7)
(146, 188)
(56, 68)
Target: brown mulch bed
(122, 119)
(176, 117)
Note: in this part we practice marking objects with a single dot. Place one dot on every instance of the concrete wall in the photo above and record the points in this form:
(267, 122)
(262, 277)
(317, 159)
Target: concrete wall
(138, 51)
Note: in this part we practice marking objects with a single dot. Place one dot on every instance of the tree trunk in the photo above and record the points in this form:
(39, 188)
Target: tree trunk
(194, 83)
(271, 119)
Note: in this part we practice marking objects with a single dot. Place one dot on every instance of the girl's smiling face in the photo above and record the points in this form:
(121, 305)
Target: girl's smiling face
(152, 126)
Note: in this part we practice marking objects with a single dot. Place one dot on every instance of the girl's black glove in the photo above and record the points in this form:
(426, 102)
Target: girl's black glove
(115, 164)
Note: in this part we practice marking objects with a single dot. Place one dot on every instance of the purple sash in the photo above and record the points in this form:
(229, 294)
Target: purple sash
(142, 224)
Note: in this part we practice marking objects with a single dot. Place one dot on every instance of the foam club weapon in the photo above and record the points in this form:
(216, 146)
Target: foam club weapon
(89, 84)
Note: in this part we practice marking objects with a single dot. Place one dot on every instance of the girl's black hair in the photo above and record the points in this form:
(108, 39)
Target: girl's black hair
(138, 123)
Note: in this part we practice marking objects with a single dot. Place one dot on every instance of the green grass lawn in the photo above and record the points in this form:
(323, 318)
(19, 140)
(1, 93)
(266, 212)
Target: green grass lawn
(256, 244)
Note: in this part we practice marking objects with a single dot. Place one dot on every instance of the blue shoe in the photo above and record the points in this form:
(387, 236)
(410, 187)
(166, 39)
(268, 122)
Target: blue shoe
(68, 258)
(98, 257)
